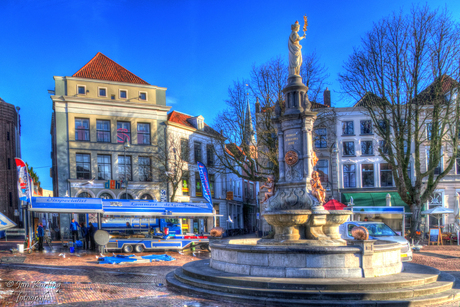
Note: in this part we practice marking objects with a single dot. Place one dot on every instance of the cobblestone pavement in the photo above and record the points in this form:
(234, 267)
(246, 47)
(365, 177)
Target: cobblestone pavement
(78, 279)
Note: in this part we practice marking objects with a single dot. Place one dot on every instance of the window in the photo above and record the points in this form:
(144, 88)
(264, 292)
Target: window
(210, 155)
(384, 147)
(348, 128)
(458, 161)
(10, 194)
(146, 197)
(367, 148)
(7, 135)
(321, 138)
(123, 94)
(200, 124)
(198, 187)
(366, 127)
(124, 167)
(81, 129)
(104, 167)
(184, 149)
(368, 175)
(9, 163)
(251, 190)
(105, 196)
(322, 167)
(197, 148)
(349, 176)
(103, 131)
(83, 166)
(145, 173)
(143, 134)
(438, 168)
(126, 196)
(142, 96)
(383, 125)
(409, 172)
(386, 175)
(185, 183)
(123, 132)
(81, 90)
(348, 148)
(212, 184)
(84, 195)
(429, 129)
(102, 92)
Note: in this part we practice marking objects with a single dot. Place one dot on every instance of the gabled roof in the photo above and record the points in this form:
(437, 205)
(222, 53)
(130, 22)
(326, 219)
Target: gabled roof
(102, 68)
(370, 99)
(183, 119)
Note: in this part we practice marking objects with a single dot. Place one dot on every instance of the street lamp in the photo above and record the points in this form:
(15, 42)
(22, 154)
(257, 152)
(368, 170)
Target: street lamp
(125, 146)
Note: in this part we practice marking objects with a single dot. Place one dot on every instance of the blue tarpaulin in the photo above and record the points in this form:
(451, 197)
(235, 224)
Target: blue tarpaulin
(132, 258)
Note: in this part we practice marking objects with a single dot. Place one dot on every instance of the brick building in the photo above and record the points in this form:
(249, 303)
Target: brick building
(9, 149)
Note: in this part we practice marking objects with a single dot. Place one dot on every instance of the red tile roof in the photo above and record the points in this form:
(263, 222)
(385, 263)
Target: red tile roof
(102, 68)
(180, 118)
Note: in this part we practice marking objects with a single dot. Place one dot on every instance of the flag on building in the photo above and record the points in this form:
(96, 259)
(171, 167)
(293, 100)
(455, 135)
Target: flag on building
(204, 182)
(24, 188)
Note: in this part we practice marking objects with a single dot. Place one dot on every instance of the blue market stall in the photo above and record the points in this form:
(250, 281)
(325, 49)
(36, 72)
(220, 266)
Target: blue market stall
(151, 225)
(64, 207)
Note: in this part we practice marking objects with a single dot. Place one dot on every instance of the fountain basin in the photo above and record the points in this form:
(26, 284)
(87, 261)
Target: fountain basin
(287, 223)
(334, 219)
(247, 257)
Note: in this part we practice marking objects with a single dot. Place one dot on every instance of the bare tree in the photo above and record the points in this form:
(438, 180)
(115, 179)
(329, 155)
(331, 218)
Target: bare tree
(324, 140)
(257, 154)
(314, 76)
(170, 161)
(403, 75)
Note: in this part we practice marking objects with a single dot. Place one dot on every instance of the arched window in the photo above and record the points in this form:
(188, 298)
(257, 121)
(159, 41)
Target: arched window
(123, 196)
(84, 195)
(146, 197)
(106, 196)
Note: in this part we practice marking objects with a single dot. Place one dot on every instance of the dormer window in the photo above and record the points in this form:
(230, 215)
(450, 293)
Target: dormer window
(200, 124)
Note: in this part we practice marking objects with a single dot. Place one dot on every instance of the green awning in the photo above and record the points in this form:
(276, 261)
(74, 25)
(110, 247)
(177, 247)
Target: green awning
(374, 199)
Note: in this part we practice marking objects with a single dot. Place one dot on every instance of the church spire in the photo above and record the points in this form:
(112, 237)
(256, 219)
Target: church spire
(249, 129)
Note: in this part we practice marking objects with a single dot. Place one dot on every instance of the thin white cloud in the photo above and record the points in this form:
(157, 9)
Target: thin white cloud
(171, 101)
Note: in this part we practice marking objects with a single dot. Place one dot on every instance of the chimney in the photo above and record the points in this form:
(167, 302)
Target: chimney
(327, 97)
(257, 105)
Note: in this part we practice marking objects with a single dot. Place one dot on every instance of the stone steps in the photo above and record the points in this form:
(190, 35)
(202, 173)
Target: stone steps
(442, 285)
(407, 289)
(413, 275)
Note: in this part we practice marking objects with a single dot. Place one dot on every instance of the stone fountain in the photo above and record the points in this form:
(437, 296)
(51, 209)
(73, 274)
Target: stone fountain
(307, 262)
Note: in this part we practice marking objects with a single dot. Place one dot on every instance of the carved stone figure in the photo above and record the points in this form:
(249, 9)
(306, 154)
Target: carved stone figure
(317, 189)
(270, 186)
(295, 50)
(314, 159)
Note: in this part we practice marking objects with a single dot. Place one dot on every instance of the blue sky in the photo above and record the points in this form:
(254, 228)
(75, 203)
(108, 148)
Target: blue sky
(194, 48)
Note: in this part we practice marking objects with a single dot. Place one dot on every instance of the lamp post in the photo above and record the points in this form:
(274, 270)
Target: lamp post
(126, 145)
